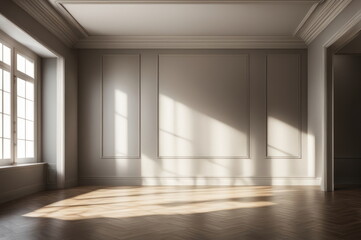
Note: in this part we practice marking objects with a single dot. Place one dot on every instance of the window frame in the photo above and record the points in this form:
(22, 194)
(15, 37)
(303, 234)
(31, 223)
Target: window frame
(17, 48)
(8, 68)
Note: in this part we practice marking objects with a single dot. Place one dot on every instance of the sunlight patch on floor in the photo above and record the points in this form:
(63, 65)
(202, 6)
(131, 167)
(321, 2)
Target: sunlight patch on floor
(124, 202)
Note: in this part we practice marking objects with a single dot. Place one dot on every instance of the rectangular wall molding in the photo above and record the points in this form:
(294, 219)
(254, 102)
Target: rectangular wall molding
(203, 116)
(184, 81)
(283, 106)
(120, 106)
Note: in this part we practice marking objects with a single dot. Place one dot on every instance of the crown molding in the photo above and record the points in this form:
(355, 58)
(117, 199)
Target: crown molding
(322, 15)
(59, 5)
(178, 1)
(183, 42)
(345, 34)
(54, 16)
(46, 15)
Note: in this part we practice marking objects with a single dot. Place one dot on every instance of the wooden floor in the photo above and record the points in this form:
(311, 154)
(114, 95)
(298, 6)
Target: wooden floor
(184, 213)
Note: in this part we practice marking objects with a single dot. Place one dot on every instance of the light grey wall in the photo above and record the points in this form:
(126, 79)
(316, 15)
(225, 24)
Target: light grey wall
(71, 120)
(204, 106)
(23, 20)
(347, 76)
(317, 87)
(17, 182)
(121, 95)
(204, 117)
(284, 106)
(49, 119)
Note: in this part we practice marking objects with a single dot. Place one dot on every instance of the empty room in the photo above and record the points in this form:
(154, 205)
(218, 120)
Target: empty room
(180, 119)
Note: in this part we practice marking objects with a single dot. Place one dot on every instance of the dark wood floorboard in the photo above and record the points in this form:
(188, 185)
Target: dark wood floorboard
(148, 213)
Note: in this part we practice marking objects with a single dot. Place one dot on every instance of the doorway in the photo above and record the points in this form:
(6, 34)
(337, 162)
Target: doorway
(343, 166)
(347, 117)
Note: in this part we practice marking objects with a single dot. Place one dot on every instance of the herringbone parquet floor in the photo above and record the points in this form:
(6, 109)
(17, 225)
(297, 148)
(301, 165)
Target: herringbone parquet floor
(148, 213)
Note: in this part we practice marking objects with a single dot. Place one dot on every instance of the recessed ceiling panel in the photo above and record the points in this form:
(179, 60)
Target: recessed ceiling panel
(236, 19)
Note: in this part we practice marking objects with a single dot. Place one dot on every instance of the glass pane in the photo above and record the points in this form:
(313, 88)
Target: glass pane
(29, 130)
(1, 52)
(1, 148)
(1, 79)
(30, 90)
(21, 128)
(29, 68)
(7, 103)
(29, 149)
(21, 87)
(29, 110)
(1, 101)
(1, 126)
(7, 82)
(6, 55)
(7, 149)
(21, 107)
(20, 61)
(7, 127)
(21, 149)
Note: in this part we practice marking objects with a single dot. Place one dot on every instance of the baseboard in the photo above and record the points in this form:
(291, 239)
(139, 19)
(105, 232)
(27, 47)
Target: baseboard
(200, 181)
(20, 192)
(71, 183)
(68, 184)
(51, 186)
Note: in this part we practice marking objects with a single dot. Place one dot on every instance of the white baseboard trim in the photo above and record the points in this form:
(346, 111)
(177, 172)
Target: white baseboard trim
(71, 183)
(200, 181)
(20, 192)
(68, 184)
(51, 186)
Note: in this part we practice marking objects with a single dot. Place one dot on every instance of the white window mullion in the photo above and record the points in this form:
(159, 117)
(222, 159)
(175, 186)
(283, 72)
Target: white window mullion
(25, 96)
(13, 104)
(6, 157)
(6, 65)
(23, 76)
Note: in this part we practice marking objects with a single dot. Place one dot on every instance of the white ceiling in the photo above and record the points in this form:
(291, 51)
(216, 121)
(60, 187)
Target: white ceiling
(187, 19)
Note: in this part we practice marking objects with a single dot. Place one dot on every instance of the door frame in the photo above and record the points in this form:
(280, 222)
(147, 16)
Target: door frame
(343, 36)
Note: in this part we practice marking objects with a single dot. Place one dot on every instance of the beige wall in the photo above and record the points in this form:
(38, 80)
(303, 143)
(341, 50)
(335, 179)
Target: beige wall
(317, 88)
(193, 117)
(347, 75)
(18, 182)
(30, 176)
(48, 118)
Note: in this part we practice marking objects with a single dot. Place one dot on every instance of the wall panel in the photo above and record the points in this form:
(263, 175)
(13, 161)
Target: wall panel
(203, 106)
(284, 116)
(347, 118)
(203, 116)
(120, 105)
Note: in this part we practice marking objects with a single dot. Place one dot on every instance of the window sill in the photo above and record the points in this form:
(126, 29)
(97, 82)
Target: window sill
(6, 167)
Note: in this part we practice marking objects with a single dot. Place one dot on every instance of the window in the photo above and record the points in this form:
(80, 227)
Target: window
(25, 107)
(5, 105)
(17, 105)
